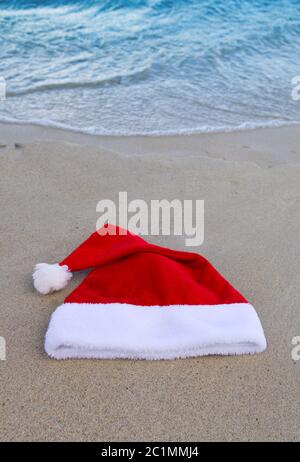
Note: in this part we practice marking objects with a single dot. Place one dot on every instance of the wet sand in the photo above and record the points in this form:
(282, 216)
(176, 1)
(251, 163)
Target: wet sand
(51, 181)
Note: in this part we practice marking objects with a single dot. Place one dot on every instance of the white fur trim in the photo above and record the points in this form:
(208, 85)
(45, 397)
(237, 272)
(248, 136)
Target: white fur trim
(116, 330)
(50, 278)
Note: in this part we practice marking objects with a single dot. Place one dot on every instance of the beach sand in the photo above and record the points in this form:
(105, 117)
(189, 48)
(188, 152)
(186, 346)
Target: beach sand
(51, 181)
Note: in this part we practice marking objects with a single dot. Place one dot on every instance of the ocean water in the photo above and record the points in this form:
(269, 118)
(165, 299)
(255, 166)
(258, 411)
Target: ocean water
(150, 66)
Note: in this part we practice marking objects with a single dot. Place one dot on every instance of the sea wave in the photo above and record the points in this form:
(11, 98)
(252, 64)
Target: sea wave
(150, 66)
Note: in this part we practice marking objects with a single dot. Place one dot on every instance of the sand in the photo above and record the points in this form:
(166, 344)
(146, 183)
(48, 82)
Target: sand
(51, 181)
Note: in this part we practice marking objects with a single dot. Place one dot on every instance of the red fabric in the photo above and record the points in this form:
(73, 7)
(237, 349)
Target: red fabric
(126, 269)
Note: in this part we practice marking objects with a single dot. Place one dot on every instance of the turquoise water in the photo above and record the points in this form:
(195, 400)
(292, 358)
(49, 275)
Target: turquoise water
(150, 66)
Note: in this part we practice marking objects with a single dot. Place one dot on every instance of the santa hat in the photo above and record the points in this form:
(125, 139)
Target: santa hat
(142, 301)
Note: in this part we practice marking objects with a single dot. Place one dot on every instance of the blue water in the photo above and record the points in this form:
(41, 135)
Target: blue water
(150, 66)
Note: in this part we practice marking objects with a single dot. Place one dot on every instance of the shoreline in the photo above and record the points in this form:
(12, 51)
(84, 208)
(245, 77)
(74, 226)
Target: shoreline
(263, 146)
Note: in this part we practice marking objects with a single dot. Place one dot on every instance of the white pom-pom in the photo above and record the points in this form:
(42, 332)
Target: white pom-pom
(50, 278)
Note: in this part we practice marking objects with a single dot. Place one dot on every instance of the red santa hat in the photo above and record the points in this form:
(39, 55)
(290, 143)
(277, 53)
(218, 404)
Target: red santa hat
(142, 301)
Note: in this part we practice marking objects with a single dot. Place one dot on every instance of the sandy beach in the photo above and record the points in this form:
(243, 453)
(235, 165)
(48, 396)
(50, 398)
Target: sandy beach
(51, 181)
